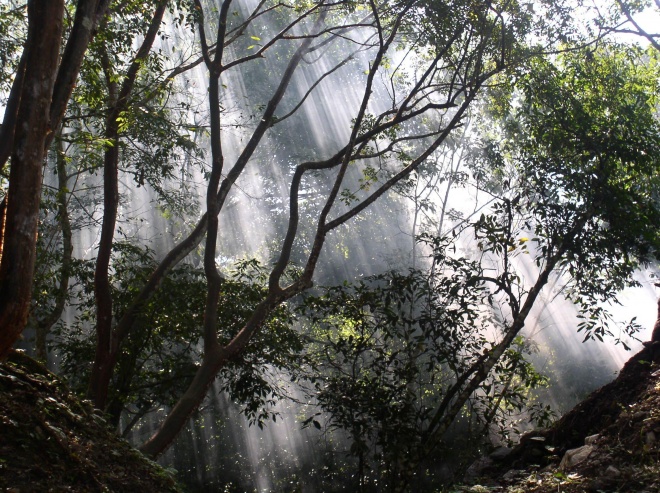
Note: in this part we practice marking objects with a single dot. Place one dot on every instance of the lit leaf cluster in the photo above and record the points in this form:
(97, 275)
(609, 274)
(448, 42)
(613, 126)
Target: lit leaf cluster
(583, 137)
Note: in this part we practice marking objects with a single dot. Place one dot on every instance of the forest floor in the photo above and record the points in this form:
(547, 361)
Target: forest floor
(612, 439)
(52, 442)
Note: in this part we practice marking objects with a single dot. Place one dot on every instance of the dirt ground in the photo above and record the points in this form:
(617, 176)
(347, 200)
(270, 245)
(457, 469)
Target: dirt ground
(51, 442)
(622, 421)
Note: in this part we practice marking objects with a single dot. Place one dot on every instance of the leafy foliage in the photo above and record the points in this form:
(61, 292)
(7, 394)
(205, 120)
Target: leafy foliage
(583, 137)
(161, 357)
(390, 348)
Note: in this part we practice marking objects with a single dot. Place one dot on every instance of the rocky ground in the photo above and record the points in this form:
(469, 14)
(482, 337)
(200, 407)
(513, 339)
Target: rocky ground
(609, 443)
(51, 442)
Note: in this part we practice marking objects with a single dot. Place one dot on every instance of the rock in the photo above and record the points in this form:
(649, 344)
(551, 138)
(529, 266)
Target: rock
(500, 453)
(592, 439)
(511, 475)
(537, 452)
(597, 485)
(612, 472)
(477, 488)
(650, 438)
(575, 456)
(477, 467)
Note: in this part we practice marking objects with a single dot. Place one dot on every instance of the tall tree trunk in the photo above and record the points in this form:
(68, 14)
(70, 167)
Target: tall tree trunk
(31, 132)
(107, 344)
(102, 291)
(35, 108)
(3, 215)
(11, 112)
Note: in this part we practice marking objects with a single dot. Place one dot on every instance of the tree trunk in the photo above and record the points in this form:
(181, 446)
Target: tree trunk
(11, 113)
(177, 417)
(36, 104)
(32, 129)
(215, 357)
(106, 338)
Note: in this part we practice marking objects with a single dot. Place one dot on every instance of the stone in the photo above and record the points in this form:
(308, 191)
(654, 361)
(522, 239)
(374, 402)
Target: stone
(612, 472)
(475, 470)
(574, 456)
(650, 438)
(537, 452)
(500, 453)
(597, 485)
(511, 475)
(592, 439)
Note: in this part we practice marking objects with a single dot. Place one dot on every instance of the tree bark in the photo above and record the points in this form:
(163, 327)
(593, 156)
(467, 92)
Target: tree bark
(215, 357)
(35, 108)
(88, 15)
(11, 113)
(45, 21)
(3, 215)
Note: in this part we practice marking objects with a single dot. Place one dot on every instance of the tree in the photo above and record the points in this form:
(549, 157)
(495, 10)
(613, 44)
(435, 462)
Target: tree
(624, 17)
(36, 104)
(474, 44)
(580, 187)
(390, 352)
(452, 51)
(575, 166)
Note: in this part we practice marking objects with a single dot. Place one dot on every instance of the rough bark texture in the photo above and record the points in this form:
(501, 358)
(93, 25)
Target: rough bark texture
(32, 129)
(36, 105)
(11, 113)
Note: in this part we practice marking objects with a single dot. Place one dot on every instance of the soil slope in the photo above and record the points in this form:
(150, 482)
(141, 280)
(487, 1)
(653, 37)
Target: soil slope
(51, 442)
(620, 426)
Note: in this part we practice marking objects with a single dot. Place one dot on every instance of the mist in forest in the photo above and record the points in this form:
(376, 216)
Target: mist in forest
(378, 307)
